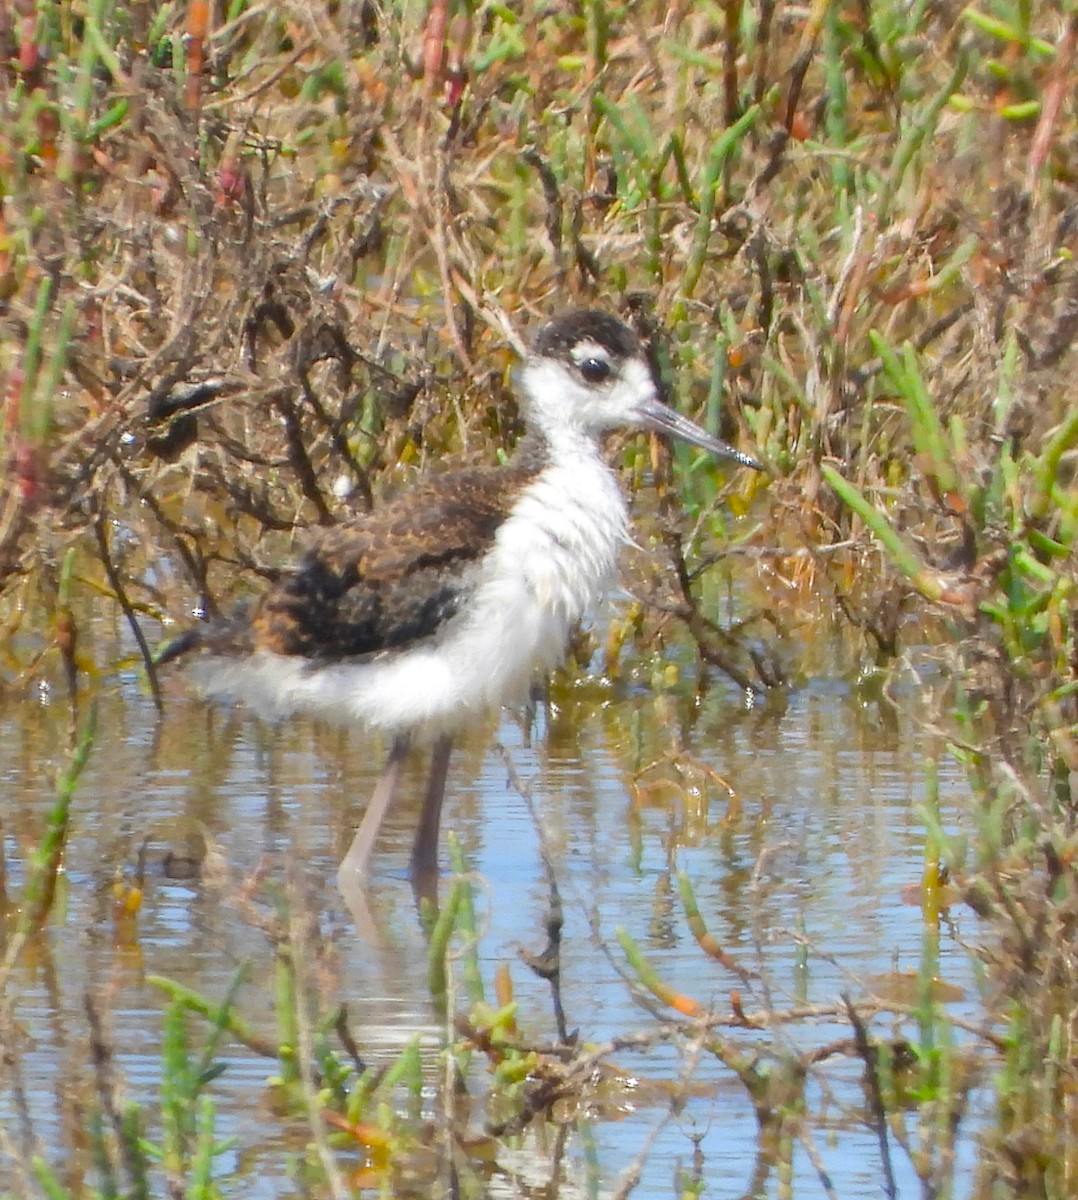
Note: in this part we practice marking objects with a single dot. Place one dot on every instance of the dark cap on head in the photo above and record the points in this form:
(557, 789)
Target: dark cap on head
(557, 337)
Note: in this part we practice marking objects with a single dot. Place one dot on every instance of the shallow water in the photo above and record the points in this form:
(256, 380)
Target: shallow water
(798, 825)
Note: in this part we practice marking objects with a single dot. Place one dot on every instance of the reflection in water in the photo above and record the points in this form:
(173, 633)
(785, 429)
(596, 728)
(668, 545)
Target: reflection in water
(797, 824)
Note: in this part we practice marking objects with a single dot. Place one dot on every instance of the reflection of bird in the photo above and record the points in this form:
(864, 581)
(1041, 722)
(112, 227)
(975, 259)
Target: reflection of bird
(449, 601)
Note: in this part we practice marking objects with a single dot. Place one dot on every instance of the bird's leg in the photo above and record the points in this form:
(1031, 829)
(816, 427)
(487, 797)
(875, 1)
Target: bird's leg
(425, 849)
(355, 861)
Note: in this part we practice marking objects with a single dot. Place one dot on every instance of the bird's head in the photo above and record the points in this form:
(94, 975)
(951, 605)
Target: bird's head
(587, 373)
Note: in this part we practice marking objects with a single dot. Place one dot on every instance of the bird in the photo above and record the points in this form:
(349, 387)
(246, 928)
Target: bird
(454, 599)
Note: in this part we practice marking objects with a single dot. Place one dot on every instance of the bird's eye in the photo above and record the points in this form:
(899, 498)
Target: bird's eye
(595, 370)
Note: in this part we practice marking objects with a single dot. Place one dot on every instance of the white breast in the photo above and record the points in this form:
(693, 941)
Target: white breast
(550, 562)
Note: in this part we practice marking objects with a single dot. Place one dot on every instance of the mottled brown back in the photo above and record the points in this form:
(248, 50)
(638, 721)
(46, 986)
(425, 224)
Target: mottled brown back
(395, 576)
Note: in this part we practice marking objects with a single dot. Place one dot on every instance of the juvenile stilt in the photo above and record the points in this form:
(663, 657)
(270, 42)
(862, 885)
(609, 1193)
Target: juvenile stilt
(452, 600)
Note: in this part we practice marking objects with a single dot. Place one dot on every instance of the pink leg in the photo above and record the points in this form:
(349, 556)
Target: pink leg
(425, 848)
(355, 861)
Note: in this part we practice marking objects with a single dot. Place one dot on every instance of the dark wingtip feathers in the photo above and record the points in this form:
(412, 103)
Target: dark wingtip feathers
(227, 637)
(180, 645)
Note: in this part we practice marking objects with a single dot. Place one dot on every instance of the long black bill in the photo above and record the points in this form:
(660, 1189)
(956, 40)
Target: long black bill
(665, 420)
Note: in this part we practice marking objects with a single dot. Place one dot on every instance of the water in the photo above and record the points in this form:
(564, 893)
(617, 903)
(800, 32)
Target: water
(797, 824)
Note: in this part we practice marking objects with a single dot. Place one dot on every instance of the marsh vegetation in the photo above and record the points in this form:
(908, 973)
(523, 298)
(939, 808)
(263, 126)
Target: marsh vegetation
(262, 265)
